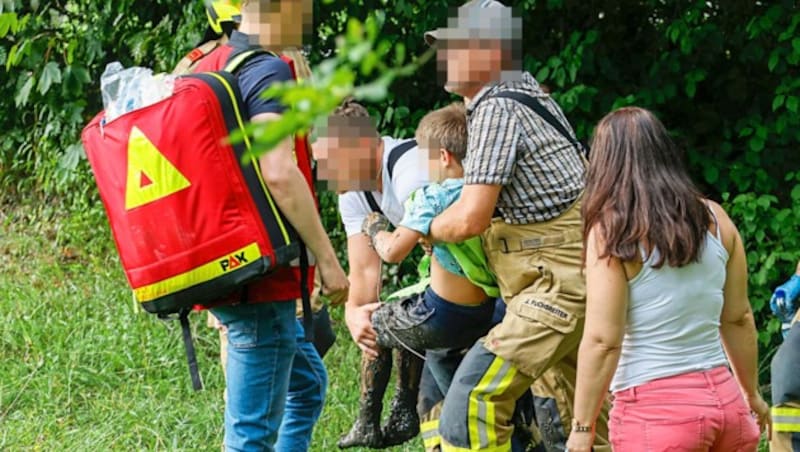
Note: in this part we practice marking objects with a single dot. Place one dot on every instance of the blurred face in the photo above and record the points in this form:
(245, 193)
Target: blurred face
(469, 63)
(347, 163)
(280, 24)
(435, 163)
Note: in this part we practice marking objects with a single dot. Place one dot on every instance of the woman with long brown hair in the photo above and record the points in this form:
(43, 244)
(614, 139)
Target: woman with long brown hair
(667, 308)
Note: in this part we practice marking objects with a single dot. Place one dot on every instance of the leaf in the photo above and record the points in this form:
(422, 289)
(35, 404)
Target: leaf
(543, 73)
(573, 73)
(560, 76)
(687, 44)
(674, 32)
(11, 56)
(711, 174)
(73, 79)
(369, 63)
(399, 54)
(792, 103)
(357, 53)
(691, 88)
(387, 117)
(375, 91)
(624, 101)
(403, 112)
(774, 58)
(24, 93)
(780, 124)
(73, 44)
(778, 101)
(372, 27)
(71, 157)
(757, 144)
(51, 74)
(796, 193)
(355, 31)
(8, 22)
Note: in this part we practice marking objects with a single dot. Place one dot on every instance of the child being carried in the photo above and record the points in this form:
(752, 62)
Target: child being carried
(457, 307)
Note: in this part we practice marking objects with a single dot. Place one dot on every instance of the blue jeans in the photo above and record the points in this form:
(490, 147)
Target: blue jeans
(262, 345)
(428, 321)
(308, 384)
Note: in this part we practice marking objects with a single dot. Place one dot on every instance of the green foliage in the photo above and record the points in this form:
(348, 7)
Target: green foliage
(770, 232)
(51, 56)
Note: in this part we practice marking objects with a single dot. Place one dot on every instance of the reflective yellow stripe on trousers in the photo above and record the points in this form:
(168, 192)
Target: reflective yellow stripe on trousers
(495, 381)
(785, 419)
(430, 434)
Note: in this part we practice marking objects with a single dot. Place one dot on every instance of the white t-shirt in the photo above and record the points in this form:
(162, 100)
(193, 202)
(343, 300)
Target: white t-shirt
(409, 173)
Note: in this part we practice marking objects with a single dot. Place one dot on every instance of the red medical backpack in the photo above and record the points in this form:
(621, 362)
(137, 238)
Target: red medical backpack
(190, 213)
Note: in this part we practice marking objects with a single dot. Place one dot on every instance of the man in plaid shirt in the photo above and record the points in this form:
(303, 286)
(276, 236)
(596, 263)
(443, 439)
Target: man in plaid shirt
(524, 180)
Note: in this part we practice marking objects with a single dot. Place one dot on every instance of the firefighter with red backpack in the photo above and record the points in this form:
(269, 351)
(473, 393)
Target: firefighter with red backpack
(262, 369)
(223, 19)
(306, 392)
(195, 226)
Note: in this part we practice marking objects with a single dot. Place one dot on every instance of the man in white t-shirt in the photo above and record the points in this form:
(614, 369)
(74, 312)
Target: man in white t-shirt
(372, 174)
(407, 176)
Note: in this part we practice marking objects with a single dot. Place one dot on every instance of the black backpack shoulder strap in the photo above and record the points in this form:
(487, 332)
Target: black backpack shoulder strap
(396, 152)
(373, 204)
(394, 155)
(534, 104)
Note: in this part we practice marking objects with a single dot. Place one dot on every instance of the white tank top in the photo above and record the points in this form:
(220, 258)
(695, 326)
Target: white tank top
(673, 318)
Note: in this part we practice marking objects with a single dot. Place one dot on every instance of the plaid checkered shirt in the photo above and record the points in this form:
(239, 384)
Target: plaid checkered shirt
(541, 172)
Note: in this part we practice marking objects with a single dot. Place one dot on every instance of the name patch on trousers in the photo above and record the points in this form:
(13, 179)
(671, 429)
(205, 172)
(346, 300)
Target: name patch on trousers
(547, 308)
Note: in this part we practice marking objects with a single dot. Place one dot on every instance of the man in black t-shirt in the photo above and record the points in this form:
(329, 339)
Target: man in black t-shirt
(266, 361)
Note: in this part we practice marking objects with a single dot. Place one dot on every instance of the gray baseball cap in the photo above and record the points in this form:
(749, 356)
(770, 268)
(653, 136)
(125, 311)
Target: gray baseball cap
(479, 19)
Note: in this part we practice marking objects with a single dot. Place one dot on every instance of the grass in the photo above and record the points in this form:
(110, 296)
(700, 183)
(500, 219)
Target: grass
(83, 369)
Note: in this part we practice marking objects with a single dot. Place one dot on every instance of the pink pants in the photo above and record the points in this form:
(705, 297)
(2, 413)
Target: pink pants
(697, 411)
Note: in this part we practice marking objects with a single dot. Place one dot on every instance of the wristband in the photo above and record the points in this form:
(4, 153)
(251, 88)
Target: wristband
(578, 428)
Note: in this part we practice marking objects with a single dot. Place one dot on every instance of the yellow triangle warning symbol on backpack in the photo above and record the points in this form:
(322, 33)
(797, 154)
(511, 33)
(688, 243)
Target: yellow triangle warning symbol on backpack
(150, 175)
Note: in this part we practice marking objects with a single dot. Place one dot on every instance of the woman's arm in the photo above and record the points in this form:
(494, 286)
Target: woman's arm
(598, 355)
(737, 326)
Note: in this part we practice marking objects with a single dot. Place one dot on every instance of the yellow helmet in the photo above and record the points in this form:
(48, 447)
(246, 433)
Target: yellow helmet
(221, 12)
